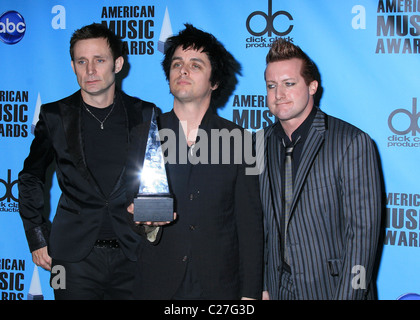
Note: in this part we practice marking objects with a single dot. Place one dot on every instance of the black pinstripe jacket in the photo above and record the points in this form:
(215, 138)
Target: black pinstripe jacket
(334, 222)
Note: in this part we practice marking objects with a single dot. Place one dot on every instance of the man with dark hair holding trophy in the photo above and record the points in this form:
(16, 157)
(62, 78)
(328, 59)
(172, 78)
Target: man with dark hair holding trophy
(214, 247)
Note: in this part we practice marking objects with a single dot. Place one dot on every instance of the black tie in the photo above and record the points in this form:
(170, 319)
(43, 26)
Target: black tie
(288, 190)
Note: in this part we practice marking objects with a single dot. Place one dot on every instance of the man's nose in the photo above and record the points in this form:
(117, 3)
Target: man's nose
(183, 70)
(280, 93)
(90, 68)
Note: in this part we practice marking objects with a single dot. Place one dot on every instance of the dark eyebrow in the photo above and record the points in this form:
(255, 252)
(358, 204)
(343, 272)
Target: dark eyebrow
(84, 58)
(289, 79)
(192, 59)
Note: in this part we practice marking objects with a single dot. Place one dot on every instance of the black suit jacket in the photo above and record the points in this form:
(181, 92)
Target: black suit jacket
(218, 230)
(77, 222)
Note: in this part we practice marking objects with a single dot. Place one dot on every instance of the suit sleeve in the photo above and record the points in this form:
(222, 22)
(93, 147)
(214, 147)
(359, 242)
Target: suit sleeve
(361, 200)
(31, 182)
(248, 212)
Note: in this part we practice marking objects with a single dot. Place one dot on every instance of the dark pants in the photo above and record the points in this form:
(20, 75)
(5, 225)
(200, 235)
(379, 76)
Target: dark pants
(105, 274)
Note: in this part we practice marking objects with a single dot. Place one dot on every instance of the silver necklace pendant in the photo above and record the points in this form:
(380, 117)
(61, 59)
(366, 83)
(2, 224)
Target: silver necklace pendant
(106, 117)
(192, 150)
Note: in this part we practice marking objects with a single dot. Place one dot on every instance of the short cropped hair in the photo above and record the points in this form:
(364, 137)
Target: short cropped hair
(284, 50)
(224, 67)
(93, 31)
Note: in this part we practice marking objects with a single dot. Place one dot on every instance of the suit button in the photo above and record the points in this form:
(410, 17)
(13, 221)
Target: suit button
(192, 228)
(194, 195)
(185, 258)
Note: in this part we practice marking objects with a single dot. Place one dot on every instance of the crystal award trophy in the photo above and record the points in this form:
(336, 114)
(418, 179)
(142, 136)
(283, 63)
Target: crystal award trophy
(154, 201)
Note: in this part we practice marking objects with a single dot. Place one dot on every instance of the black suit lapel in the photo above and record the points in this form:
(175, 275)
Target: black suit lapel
(313, 143)
(72, 123)
(71, 116)
(138, 124)
(274, 175)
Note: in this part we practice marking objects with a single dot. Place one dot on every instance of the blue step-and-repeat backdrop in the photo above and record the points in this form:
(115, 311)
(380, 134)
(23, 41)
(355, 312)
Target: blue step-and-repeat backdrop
(367, 52)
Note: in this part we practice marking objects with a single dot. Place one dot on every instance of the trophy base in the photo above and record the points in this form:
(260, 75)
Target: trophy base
(155, 208)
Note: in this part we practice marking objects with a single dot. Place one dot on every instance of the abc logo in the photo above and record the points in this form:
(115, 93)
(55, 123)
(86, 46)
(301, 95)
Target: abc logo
(12, 27)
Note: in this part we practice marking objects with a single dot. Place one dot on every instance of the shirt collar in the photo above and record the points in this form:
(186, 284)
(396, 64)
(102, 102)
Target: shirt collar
(206, 118)
(301, 131)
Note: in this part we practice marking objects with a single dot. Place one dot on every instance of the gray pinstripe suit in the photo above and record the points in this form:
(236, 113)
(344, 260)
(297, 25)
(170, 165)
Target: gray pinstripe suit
(335, 215)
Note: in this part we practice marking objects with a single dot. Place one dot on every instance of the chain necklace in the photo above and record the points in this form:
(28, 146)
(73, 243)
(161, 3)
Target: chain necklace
(106, 117)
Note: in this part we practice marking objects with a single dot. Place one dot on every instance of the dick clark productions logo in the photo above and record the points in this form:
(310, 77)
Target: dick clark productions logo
(269, 18)
(412, 116)
(8, 186)
(12, 27)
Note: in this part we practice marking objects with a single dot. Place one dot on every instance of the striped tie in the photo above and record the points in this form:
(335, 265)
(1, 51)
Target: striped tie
(288, 190)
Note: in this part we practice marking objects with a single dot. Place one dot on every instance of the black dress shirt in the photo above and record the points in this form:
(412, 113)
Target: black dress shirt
(302, 132)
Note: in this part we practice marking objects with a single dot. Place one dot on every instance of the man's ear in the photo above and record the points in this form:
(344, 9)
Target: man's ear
(215, 86)
(313, 87)
(72, 66)
(119, 62)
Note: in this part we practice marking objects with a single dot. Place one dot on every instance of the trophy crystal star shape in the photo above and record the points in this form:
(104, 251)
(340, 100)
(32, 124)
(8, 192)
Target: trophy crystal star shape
(154, 201)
